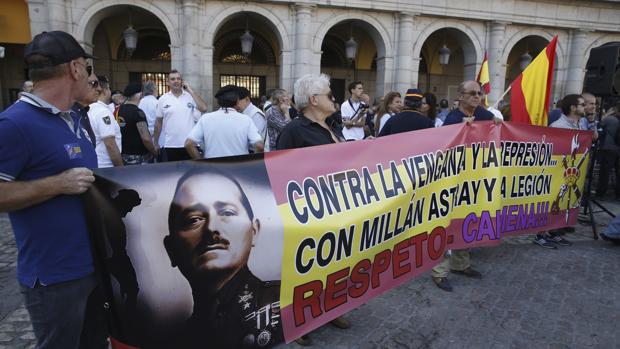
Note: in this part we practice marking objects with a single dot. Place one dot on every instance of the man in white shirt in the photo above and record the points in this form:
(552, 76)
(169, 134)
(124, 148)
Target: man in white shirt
(176, 114)
(148, 104)
(353, 113)
(245, 106)
(107, 132)
(225, 132)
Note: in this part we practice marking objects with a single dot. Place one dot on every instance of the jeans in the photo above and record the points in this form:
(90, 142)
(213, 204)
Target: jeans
(175, 154)
(67, 315)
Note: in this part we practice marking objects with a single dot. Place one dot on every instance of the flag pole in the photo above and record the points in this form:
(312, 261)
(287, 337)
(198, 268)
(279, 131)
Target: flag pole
(502, 97)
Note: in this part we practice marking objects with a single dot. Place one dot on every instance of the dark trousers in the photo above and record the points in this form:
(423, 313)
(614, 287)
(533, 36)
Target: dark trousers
(608, 161)
(175, 154)
(67, 315)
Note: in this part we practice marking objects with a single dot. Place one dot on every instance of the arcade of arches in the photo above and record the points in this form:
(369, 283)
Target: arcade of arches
(396, 50)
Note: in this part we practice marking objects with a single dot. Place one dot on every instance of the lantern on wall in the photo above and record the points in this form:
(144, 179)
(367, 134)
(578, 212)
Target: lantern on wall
(444, 55)
(247, 40)
(525, 60)
(351, 48)
(130, 36)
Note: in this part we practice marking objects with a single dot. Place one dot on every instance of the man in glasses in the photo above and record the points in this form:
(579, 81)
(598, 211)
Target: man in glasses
(107, 130)
(573, 108)
(82, 105)
(45, 162)
(470, 97)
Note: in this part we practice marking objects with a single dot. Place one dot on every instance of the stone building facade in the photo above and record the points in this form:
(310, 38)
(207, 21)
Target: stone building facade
(398, 40)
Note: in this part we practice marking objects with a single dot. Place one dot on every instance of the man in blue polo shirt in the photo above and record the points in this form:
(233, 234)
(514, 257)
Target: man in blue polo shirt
(470, 97)
(45, 162)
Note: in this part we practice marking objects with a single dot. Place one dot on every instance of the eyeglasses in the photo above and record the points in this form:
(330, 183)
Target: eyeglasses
(94, 83)
(473, 93)
(329, 95)
(89, 68)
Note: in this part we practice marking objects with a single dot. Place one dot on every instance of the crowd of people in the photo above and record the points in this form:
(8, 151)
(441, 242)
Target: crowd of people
(68, 122)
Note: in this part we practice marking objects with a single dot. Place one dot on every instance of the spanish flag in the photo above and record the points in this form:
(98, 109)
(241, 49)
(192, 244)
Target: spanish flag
(483, 75)
(483, 78)
(531, 90)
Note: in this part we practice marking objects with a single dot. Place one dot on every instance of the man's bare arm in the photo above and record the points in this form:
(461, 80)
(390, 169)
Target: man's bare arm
(113, 151)
(145, 135)
(22, 194)
(192, 149)
(157, 132)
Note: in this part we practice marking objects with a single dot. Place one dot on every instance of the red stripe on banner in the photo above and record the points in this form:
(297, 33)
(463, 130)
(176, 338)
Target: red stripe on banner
(349, 288)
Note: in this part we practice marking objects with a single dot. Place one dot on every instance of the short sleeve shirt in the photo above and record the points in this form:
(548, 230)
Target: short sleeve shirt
(38, 141)
(302, 132)
(148, 104)
(179, 117)
(348, 110)
(129, 115)
(104, 126)
(225, 132)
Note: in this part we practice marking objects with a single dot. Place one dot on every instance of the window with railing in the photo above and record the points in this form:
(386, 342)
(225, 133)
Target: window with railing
(160, 80)
(256, 84)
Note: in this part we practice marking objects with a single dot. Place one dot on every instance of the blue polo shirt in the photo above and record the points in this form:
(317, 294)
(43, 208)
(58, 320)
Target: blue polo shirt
(36, 141)
(456, 116)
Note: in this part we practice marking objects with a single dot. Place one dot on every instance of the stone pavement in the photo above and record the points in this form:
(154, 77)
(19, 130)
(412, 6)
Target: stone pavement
(529, 297)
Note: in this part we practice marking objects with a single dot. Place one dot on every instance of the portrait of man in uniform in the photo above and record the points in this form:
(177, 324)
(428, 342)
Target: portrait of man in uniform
(212, 229)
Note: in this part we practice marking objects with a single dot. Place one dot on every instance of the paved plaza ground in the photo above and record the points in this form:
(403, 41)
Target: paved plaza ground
(529, 297)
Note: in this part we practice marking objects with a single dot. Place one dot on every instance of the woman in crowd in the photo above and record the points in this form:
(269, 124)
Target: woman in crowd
(277, 115)
(429, 108)
(392, 104)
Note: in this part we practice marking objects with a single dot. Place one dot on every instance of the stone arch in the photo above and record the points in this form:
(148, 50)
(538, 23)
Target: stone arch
(376, 30)
(94, 14)
(514, 39)
(601, 40)
(469, 40)
(208, 35)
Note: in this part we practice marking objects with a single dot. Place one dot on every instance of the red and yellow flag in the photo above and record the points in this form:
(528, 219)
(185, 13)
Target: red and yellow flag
(483, 78)
(531, 90)
(483, 75)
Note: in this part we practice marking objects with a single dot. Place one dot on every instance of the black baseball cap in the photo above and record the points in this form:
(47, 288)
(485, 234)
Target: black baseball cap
(58, 46)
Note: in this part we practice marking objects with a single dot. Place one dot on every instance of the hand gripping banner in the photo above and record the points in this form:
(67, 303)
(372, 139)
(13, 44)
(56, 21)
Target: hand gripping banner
(251, 251)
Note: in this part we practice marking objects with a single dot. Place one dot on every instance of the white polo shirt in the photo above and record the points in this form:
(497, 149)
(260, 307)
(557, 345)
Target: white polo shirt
(225, 132)
(348, 109)
(104, 125)
(179, 117)
(148, 104)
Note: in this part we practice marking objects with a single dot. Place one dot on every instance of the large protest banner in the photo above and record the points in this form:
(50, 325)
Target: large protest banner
(251, 251)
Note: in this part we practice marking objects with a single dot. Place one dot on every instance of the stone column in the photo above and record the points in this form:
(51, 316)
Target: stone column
(286, 74)
(37, 11)
(576, 62)
(497, 69)
(207, 77)
(189, 48)
(415, 72)
(57, 15)
(404, 47)
(303, 40)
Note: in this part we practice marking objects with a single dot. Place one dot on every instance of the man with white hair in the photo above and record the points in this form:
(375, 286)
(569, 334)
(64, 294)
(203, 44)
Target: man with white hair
(315, 102)
(148, 104)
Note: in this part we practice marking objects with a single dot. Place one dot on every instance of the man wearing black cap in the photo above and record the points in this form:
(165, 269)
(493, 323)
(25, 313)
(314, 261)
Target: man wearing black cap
(224, 132)
(45, 162)
(108, 144)
(137, 145)
(410, 118)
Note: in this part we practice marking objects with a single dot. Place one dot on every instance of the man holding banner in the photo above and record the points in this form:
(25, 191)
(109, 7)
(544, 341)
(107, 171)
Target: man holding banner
(212, 231)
